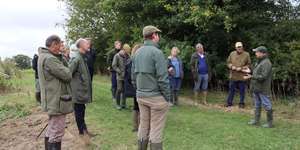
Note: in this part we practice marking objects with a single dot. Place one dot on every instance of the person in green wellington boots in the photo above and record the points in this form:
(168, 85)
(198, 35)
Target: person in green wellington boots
(260, 86)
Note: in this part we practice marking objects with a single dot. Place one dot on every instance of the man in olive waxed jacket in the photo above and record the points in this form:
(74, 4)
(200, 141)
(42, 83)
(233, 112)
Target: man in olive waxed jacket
(54, 78)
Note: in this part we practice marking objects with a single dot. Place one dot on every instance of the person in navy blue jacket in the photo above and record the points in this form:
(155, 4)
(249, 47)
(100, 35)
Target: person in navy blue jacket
(175, 69)
(130, 90)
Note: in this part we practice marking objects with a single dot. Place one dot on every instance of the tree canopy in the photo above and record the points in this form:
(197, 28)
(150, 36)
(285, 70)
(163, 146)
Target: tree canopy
(218, 24)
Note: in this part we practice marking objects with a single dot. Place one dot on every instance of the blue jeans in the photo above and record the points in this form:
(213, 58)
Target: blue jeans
(114, 83)
(202, 83)
(175, 83)
(262, 100)
(232, 85)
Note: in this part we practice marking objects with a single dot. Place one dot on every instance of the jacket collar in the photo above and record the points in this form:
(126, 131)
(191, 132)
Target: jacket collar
(46, 50)
(150, 43)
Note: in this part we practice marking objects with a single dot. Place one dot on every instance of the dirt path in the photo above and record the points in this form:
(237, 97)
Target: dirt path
(20, 134)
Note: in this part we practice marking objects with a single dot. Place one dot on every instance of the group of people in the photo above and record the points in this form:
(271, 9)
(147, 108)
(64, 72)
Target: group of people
(157, 82)
(64, 85)
(144, 74)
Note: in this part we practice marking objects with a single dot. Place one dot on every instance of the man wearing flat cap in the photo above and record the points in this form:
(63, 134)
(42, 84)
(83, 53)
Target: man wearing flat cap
(260, 86)
(237, 60)
(150, 76)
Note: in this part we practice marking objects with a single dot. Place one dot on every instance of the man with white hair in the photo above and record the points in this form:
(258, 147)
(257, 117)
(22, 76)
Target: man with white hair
(200, 70)
(81, 85)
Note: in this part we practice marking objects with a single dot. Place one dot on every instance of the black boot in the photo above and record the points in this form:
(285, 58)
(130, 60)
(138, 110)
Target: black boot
(142, 144)
(156, 146)
(38, 97)
(54, 146)
(46, 143)
(123, 99)
(175, 98)
(256, 119)
(118, 100)
(269, 123)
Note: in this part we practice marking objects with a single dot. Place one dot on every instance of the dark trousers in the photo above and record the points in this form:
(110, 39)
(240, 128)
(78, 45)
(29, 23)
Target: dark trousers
(79, 110)
(135, 104)
(113, 84)
(232, 86)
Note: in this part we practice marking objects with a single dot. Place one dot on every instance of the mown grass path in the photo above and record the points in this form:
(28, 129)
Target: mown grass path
(188, 127)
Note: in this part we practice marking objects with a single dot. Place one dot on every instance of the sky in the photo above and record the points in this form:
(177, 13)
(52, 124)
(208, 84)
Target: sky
(25, 25)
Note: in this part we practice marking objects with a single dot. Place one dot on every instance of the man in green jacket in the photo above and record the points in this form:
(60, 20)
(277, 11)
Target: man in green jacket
(81, 85)
(54, 78)
(150, 74)
(119, 65)
(260, 86)
(110, 56)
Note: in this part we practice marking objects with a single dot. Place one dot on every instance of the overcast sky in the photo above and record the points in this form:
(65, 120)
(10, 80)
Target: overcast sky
(25, 25)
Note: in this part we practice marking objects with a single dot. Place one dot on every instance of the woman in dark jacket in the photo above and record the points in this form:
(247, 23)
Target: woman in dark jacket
(130, 90)
(175, 69)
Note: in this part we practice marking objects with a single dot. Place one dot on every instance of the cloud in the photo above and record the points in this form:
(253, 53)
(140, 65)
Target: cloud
(26, 24)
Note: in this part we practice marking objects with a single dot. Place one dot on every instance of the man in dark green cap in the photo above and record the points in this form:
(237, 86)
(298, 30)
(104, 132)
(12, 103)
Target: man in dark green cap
(260, 86)
(150, 76)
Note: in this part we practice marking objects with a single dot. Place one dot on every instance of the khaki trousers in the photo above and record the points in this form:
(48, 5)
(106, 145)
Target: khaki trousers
(56, 128)
(153, 115)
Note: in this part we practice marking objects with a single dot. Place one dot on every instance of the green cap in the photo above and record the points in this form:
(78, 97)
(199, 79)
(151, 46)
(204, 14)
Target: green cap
(148, 30)
(261, 49)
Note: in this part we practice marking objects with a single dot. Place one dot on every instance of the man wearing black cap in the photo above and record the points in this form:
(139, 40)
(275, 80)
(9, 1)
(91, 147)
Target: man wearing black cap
(260, 86)
(150, 75)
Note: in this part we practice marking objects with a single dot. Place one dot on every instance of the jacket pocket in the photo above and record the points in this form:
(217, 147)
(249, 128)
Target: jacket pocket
(65, 104)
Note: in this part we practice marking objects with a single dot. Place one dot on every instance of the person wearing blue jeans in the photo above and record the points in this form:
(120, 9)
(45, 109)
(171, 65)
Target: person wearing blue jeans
(236, 62)
(260, 86)
(241, 85)
(200, 70)
(175, 74)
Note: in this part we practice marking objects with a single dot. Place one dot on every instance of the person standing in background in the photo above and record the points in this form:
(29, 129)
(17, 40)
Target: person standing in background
(119, 65)
(110, 56)
(91, 57)
(200, 70)
(36, 76)
(130, 90)
(236, 61)
(175, 74)
(81, 87)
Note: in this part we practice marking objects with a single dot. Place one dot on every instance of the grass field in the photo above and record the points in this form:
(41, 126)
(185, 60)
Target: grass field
(188, 127)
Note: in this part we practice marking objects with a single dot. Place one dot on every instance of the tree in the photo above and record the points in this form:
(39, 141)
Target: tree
(218, 24)
(22, 61)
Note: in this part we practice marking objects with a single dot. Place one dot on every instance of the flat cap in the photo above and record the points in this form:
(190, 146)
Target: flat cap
(148, 30)
(261, 49)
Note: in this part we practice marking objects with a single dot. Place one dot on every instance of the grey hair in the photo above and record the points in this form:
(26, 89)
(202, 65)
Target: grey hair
(199, 44)
(79, 41)
(52, 39)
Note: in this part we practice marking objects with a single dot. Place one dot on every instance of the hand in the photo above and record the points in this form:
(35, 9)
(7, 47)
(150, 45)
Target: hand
(246, 70)
(238, 69)
(248, 76)
(108, 68)
(233, 67)
(170, 70)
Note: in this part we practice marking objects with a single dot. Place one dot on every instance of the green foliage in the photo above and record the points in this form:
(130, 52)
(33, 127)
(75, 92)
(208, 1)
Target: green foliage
(15, 111)
(218, 24)
(22, 61)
